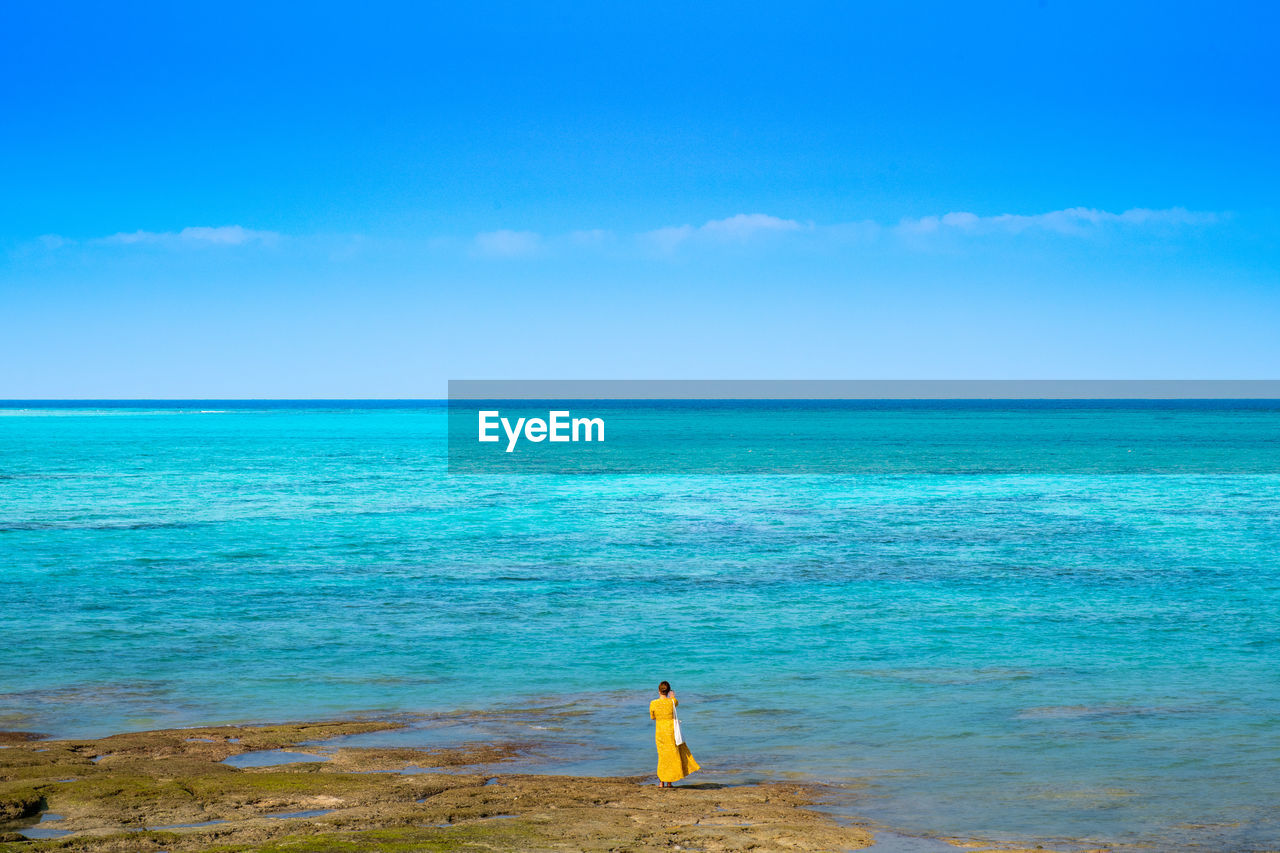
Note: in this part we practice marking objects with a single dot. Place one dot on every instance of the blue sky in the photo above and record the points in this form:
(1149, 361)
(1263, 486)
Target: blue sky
(227, 201)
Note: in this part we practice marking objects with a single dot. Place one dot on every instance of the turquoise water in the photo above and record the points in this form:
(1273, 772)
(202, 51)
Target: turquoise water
(1038, 655)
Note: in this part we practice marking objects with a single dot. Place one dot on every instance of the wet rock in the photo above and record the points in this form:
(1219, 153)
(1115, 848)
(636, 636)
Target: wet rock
(16, 804)
(20, 737)
(362, 799)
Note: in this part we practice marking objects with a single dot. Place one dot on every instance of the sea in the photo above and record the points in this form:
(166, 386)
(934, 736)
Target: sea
(1081, 650)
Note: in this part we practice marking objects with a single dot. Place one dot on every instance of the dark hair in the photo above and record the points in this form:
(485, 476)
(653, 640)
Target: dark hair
(664, 688)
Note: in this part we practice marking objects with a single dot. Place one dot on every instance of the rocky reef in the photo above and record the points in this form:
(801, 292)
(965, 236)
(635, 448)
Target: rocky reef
(170, 790)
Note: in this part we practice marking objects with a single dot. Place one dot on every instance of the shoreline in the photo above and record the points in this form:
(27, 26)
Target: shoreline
(225, 788)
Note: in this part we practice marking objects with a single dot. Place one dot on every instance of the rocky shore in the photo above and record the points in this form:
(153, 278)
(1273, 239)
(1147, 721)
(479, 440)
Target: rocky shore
(174, 790)
(170, 790)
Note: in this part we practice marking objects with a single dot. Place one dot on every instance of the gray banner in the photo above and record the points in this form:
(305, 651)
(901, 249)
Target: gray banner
(864, 389)
(862, 427)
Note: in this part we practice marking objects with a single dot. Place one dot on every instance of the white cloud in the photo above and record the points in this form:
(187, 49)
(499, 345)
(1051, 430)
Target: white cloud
(745, 228)
(198, 235)
(740, 228)
(747, 225)
(508, 244)
(1072, 220)
(590, 237)
(55, 241)
(667, 239)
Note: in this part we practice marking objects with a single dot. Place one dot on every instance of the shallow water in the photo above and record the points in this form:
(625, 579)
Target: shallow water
(37, 833)
(1027, 656)
(892, 842)
(35, 828)
(272, 758)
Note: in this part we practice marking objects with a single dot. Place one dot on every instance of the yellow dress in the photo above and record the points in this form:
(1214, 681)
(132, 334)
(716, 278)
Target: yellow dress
(674, 762)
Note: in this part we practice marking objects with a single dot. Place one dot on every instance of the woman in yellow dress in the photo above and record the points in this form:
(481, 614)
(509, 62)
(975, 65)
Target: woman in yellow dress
(674, 761)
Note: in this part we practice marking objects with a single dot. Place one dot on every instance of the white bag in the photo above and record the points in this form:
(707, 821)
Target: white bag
(675, 724)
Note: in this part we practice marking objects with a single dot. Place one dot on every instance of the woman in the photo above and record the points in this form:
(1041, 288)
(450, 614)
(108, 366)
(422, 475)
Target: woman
(674, 762)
